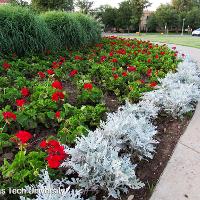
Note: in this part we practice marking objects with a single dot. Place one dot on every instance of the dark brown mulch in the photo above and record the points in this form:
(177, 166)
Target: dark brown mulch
(169, 133)
(72, 92)
(111, 102)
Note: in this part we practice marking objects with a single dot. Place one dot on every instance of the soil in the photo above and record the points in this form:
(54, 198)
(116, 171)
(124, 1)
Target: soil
(149, 171)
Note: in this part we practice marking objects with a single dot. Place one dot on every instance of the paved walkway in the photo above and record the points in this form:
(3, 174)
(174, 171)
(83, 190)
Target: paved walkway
(181, 178)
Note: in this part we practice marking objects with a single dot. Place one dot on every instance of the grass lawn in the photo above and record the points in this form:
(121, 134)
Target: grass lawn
(186, 40)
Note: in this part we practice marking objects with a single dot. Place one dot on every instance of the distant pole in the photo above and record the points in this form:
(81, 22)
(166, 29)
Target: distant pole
(183, 26)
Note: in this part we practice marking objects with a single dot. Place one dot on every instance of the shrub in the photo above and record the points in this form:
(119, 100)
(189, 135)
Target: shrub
(90, 27)
(65, 27)
(72, 30)
(23, 32)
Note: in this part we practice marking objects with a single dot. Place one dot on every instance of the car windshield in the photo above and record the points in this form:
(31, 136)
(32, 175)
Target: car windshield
(198, 29)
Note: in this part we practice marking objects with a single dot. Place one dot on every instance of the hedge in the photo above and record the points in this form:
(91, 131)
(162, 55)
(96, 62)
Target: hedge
(24, 32)
(72, 29)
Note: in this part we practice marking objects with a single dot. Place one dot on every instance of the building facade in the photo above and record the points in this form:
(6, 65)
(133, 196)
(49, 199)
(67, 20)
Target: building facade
(144, 20)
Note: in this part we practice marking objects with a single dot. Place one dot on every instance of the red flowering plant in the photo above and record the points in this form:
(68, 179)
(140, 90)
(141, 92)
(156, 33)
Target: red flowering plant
(9, 116)
(25, 92)
(90, 94)
(57, 85)
(6, 65)
(22, 138)
(41, 107)
(56, 153)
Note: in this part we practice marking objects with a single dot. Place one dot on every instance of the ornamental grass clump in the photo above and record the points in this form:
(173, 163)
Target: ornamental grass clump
(23, 32)
(91, 30)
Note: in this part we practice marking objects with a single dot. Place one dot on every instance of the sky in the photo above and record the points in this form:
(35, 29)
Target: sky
(114, 3)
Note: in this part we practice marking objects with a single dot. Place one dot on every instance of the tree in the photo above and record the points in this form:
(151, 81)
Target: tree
(124, 15)
(152, 23)
(193, 18)
(182, 5)
(166, 15)
(109, 17)
(19, 2)
(44, 5)
(138, 7)
(85, 6)
(185, 5)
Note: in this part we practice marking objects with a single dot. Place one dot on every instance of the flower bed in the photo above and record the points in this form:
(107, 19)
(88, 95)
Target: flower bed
(57, 110)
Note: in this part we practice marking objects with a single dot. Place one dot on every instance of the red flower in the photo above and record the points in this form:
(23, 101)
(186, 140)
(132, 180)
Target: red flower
(53, 143)
(57, 96)
(54, 161)
(153, 84)
(114, 60)
(55, 65)
(124, 74)
(78, 58)
(116, 76)
(62, 59)
(149, 60)
(111, 54)
(41, 74)
(114, 69)
(20, 102)
(57, 85)
(43, 144)
(121, 51)
(23, 136)
(25, 92)
(131, 69)
(88, 86)
(157, 56)
(149, 72)
(142, 81)
(56, 153)
(50, 72)
(162, 53)
(6, 65)
(58, 114)
(103, 58)
(9, 115)
(73, 73)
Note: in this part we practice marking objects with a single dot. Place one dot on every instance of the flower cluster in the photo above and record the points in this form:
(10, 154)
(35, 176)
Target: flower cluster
(56, 153)
(9, 116)
(88, 86)
(23, 136)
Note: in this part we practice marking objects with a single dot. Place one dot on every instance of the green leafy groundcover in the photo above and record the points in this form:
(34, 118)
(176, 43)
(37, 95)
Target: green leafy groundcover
(60, 96)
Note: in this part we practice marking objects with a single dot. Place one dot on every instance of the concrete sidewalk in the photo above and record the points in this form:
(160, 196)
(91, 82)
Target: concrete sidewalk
(181, 178)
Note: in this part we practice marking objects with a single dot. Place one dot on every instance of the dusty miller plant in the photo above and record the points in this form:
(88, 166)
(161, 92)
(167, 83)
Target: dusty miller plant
(99, 166)
(49, 190)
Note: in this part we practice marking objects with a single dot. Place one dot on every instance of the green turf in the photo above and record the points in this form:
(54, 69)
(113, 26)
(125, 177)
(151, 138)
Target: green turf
(186, 40)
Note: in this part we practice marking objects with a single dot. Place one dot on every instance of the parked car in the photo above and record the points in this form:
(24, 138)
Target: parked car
(196, 32)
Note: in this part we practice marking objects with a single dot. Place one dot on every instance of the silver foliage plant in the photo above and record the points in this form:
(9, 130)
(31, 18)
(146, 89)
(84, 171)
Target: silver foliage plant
(47, 189)
(99, 165)
(178, 92)
(130, 126)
